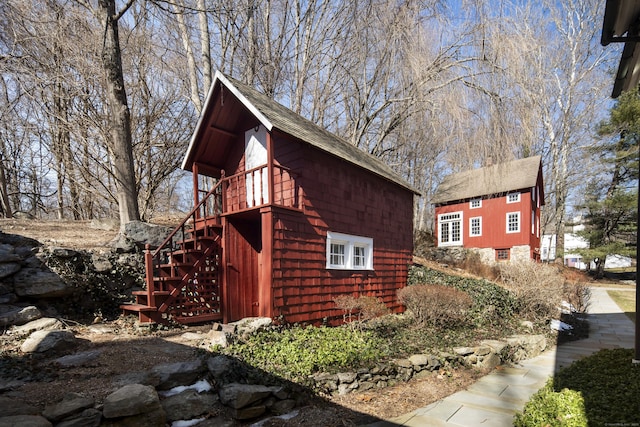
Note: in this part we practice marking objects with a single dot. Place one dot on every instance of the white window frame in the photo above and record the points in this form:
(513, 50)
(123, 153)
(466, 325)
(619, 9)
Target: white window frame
(350, 242)
(448, 219)
(533, 221)
(517, 214)
(513, 197)
(478, 204)
(479, 233)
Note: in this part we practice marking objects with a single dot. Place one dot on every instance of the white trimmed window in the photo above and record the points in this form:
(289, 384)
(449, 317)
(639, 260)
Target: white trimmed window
(475, 226)
(513, 197)
(348, 252)
(513, 222)
(450, 229)
(475, 204)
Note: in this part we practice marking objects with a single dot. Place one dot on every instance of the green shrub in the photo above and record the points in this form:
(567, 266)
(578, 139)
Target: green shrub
(436, 305)
(608, 385)
(554, 409)
(493, 305)
(297, 352)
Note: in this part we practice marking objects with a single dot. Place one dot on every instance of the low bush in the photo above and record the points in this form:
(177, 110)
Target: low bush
(540, 289)
(578, 295)
(436, 305)
(607, 382)
(474, 265)
(362, 308)
(493, 305)
(550, 408)
(537, 288)
(297, 352)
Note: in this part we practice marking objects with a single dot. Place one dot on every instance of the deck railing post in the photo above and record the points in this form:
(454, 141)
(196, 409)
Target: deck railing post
(148, 264)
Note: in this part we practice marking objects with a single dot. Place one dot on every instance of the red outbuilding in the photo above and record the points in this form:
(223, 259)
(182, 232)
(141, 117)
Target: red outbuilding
(287, 217)
(494, 210)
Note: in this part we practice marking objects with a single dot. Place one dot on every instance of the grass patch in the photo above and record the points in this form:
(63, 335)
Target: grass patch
(626, 300)
(602, 389)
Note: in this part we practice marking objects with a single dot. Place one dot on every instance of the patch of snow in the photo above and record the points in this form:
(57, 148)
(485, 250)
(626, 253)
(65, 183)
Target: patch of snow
(187, 423)
(567, 308)
(200, 386)
(287, 416)
(558, 325)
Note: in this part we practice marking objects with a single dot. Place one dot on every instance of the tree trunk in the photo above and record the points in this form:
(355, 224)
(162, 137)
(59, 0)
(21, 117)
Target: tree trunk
(5, 207)
(205, 46)
(120, 121)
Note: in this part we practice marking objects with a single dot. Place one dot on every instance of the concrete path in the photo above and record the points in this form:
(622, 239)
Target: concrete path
(494, 399)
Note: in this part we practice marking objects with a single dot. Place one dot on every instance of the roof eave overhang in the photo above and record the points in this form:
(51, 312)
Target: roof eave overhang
(621, 24)
(219, 78)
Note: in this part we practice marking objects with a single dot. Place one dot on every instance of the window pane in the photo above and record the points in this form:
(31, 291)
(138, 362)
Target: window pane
(444, 232)
(475, 227)
(455, 231)
(337, 254)
(358, 256)
(513, 222)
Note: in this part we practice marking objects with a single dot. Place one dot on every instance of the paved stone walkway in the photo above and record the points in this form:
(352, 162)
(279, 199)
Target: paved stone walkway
(495, 398)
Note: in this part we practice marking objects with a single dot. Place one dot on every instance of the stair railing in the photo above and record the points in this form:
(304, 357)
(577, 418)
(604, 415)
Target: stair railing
(164, 252)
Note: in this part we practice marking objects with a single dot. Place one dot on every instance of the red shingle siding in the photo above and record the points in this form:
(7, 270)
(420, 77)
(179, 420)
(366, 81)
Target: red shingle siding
(341, 198)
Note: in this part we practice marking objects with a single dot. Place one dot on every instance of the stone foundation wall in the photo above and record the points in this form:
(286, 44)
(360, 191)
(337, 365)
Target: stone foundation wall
(518, 253)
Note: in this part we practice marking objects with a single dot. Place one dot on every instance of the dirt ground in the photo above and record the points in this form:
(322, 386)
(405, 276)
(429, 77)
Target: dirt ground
(122, 352)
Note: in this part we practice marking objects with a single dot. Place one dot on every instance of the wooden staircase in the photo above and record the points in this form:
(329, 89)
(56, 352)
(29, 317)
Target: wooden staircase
(183, 275)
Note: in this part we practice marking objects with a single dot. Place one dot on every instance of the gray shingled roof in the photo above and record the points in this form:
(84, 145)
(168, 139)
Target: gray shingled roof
(501, 178)
(297, 126)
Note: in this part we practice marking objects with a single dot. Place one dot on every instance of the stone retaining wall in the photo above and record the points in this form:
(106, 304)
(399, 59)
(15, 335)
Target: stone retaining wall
(487, 355)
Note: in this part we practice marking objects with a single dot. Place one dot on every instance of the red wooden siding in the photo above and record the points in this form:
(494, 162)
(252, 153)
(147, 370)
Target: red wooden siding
(341, 198)
(494, 212)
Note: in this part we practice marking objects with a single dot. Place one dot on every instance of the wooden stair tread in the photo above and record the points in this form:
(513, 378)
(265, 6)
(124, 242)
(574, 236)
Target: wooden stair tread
(167, 279)
(154, 293)
(138, 307)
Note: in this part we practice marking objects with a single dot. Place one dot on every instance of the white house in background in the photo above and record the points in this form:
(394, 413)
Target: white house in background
(571, 242)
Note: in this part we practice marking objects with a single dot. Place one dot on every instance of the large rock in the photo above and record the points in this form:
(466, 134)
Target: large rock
(88, 418)
(72, 404)
(57, 341)
(10, 407)
(25, 421)
(239, 396)
(101, 262)
(188, 405)
(180, 373)
(249, 325)
(12, 315)
(131, 400)
(533, 345)
(140, 234)
(8, 268)
(225, 369)
(8, 254)
(38, 283)
(41, 324)
(78, 359)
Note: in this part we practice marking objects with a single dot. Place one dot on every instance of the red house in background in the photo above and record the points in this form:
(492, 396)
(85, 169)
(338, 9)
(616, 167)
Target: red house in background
(494, 210)
(296, 217)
